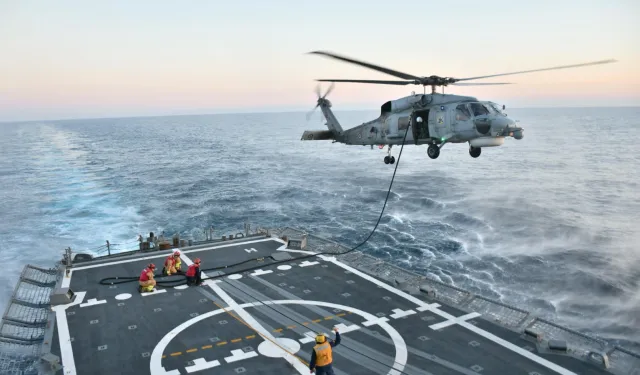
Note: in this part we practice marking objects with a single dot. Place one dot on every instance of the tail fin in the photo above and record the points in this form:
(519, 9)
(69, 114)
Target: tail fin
(332, 121)
(325, 107)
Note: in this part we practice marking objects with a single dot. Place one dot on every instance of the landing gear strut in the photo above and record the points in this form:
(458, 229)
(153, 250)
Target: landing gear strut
(474, 151)
(433, 151)
(389, 159)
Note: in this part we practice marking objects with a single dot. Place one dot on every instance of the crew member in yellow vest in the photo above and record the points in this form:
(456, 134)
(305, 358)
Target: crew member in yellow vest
(172, 264)
(321, 357)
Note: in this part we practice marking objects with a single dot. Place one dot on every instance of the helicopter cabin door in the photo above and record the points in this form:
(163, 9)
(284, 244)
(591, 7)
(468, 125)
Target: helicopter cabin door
(440, 122)
(461, 120)
(420, 128)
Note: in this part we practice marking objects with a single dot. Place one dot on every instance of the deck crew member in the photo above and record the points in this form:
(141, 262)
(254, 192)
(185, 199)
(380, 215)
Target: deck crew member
(321, 357)
(146, 281)
(194, 273)
(172, 264)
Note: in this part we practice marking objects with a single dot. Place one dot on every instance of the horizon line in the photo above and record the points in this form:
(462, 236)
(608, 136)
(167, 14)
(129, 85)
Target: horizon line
(231, 112)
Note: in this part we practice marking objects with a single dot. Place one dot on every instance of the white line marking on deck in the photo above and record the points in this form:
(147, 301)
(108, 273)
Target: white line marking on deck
(158, 291)
(308, 337)
(164, 255)
(430, 307)
(239, 355)
(397, 313)
(375, 320)
(453, 321)
(66, 351)
(201, 364)
(92, 302)
(252, 250)
(548, 364)
(345, 328)
(250, 320)
(260, 272)
(66, 280)
(284, 248)
(306, 263)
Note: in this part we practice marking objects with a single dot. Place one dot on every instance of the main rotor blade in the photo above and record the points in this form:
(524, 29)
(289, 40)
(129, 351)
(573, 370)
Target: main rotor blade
(367, 81)
(539, 70)
(394, 73)
(482, 84)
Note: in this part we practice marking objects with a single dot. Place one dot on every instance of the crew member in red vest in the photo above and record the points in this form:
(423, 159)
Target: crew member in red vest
(172, 264)
(194, 273)
(321, 357)
(146, 281)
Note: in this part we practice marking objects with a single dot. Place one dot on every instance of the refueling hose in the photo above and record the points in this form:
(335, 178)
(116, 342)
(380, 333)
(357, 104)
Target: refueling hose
(181, 278)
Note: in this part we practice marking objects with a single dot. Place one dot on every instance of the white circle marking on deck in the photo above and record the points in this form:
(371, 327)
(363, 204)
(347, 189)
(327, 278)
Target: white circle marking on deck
(269, 349)
(179, 287)
(235, 276)
(400, 361)
(123, 296)
(284, 267)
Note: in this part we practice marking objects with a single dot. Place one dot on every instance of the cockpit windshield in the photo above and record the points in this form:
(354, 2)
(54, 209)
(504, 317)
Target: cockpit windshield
(478, 109)
(494, 108)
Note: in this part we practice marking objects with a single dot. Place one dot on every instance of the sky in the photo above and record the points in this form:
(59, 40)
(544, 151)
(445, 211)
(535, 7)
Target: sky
(81, 59)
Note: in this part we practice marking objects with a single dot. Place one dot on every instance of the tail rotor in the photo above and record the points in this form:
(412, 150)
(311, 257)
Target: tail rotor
(321, 99)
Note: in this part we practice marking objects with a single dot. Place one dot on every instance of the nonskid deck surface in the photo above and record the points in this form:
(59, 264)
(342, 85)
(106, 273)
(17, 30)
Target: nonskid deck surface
(221, 327)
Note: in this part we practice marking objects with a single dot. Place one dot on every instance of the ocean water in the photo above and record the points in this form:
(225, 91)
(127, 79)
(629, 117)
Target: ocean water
(548, 223)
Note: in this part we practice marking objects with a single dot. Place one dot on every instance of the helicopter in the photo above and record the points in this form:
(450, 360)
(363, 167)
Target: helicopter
(435, 119)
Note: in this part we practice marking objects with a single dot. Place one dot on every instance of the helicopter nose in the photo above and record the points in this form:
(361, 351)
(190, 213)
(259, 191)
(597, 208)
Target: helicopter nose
(508, 127)
(500, 124)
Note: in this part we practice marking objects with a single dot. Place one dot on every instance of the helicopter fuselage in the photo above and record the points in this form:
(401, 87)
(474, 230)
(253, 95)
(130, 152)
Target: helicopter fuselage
(426, 119)
(435, 119)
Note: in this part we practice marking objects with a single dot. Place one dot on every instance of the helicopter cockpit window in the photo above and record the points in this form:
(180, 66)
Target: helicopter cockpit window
(478, 109)
(462, 113)
(494, 108)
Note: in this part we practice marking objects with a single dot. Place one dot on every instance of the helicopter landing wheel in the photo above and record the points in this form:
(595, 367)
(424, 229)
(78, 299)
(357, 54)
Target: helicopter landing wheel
(392, 159)
(386, 159)
(433, 151)
(474, 151)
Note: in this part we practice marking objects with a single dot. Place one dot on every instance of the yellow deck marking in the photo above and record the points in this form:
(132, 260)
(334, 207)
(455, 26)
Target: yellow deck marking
(250, 337)
(207, 347)
(192, 350)
(175, 354)
(236, 340)
(221, 343)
